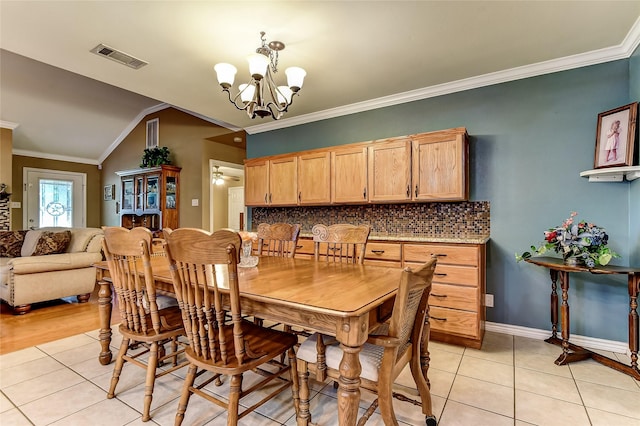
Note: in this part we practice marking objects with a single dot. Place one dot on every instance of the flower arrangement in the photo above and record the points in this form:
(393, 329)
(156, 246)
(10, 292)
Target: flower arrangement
(582, 241)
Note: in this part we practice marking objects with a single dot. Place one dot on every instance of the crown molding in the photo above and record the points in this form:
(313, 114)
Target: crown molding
(8, 125)
(48, 156)
(622, 51)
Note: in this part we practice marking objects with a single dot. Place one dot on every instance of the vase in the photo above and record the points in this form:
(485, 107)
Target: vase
(574, 261)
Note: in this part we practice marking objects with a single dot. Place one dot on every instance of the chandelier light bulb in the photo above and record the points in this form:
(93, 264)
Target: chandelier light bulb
(295, 77)
(247, 91)
(284, 95)
(226, 74)
(258, 64)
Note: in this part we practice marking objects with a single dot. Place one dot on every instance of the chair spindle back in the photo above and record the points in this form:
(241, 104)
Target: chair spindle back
(128, 254)
(203, 266)
(341, 242)
(278, 239)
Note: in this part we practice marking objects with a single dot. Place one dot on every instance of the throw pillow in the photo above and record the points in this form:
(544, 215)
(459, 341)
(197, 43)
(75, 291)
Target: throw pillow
(52, 243)
(30, 241)
(11, 243)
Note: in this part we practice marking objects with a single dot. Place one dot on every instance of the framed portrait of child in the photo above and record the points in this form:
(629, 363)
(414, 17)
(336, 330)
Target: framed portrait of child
(616, 137)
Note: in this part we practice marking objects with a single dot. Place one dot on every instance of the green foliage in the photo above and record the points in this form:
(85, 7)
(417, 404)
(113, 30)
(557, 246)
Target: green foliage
(157, 156)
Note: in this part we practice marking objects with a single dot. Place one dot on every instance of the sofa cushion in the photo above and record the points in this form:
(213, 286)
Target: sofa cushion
(11, 243)
(52, 243)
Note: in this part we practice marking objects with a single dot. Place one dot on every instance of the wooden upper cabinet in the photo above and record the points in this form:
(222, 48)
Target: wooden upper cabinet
(440, 166)
(390, 170)
(416, 168)
(256, 183)
(283, 181)
(314, 178)
(349, 175)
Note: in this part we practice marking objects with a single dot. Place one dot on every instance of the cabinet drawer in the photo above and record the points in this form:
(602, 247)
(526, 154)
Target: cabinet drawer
(454, 296)
(383, 251)
(304, 247)
(451, 254)
(451, 274)
(454, 321)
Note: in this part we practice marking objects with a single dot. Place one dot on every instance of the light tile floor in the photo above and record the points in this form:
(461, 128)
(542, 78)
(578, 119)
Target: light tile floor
(510, 381)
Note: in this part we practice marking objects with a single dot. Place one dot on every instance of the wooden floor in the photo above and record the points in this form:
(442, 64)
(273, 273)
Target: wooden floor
(48, 322)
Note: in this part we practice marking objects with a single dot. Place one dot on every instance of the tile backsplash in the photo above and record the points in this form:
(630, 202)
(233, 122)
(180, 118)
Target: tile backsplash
(470, 218)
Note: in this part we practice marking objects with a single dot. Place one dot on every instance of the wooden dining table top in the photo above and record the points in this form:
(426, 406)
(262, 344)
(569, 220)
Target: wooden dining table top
(339, 289)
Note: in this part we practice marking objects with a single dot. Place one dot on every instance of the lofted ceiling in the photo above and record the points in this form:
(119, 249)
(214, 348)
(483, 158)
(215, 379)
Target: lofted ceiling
(69, 103)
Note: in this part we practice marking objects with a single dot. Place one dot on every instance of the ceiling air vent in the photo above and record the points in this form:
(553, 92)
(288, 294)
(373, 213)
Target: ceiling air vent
(120, 57)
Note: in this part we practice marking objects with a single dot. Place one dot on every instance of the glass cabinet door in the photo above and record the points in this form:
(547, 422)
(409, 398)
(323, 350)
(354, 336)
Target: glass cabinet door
(139, 193)
(127, 194)
(171, 192)
(152, 193)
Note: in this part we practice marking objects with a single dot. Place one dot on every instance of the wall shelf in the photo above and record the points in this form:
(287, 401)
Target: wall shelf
(612, 174)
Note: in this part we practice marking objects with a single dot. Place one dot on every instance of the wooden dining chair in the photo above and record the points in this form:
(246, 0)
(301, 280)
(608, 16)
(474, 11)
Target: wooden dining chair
(205, 278)
(340, 242)
(147, 320)
(278, 239)
(401, 341)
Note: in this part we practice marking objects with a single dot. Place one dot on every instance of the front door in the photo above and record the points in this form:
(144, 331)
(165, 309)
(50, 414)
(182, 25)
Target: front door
(54, 198)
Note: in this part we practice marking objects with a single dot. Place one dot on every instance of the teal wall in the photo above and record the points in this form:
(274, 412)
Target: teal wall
(634, 193)
(529, 141)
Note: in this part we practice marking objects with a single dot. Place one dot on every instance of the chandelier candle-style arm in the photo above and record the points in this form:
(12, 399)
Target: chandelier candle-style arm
(261, 96)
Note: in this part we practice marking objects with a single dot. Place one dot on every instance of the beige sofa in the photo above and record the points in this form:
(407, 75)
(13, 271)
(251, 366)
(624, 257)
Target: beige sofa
(32, 279)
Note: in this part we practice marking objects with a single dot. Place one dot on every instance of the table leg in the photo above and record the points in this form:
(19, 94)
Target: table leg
(567, 356)
(554, 304)
(104, 308)
(634, 290)
(349, 385)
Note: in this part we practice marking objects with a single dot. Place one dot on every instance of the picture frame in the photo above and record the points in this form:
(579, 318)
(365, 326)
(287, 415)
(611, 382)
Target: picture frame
(109, 192)
(616, 137)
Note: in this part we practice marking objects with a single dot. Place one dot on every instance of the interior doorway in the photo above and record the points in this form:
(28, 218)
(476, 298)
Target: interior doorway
(230, 186)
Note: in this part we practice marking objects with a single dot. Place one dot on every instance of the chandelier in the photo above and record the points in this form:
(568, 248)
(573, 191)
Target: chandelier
(261, 96)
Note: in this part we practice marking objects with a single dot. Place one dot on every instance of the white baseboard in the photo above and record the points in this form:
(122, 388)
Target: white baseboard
(534, 333)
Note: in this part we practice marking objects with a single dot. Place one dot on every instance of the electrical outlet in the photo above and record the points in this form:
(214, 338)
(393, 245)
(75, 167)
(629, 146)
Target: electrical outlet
(488, 300)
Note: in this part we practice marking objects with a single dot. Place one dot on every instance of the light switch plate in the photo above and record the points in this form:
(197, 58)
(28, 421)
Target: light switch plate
(195, 202)
(16, 205)
(488, 300)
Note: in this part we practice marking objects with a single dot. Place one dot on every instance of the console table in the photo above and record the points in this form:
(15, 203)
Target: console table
(571, 352)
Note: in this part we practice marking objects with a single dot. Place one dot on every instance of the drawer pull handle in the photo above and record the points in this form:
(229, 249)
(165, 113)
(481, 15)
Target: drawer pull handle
(439, 254)
(298, 247)
(437, 318)
(440, 274)
(377, 251)
(438, 295)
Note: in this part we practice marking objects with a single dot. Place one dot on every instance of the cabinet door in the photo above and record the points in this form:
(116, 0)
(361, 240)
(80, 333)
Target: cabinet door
(139, 206)
(349, 175)
(314, 178)
(256, 183)
(283, 181)
(171, 194)
(152, 194)
(390, 171)
(128, 195)
(440, 168)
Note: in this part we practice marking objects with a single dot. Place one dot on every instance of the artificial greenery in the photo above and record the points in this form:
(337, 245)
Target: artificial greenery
(157, 156)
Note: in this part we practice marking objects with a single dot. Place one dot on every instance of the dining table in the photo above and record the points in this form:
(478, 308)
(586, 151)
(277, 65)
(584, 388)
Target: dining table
(340, 299)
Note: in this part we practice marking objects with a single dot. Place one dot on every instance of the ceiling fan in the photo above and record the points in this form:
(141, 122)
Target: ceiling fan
(218, 177)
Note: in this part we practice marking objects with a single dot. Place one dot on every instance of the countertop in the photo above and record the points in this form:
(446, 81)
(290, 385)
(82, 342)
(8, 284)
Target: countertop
(459, 239)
